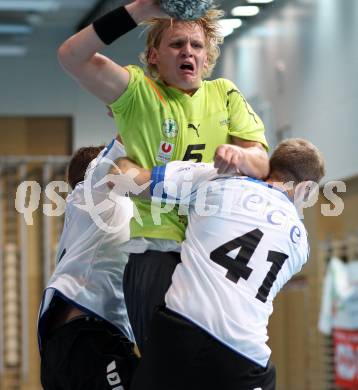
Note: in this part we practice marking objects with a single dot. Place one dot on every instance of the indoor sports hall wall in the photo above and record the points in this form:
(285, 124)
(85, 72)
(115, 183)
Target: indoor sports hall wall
(36, 85)
(28, 152)
(299, 68)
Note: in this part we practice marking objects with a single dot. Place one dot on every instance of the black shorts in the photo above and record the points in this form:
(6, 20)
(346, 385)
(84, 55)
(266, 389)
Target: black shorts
(146, 279)
(179, 355)
(87, 354)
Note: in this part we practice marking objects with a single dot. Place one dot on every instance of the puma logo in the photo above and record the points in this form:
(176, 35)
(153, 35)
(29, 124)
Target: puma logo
(195, 128)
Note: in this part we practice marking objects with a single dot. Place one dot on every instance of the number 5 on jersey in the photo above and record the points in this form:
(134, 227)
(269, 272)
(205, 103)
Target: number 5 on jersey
(189, 155)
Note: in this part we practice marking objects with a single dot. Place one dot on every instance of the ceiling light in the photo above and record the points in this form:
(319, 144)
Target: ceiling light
(15, 28)
(233, 23)
(245, 10)
(226, 31)
(259, 1)
(34, 18)
(12, 50)
(29, 5)
(227, 26)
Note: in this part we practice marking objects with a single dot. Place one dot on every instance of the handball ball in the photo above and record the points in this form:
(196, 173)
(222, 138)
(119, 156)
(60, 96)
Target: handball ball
(185, 9)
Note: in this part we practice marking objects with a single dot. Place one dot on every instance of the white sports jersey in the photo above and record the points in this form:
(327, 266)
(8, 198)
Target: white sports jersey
(339, 296)
(243, 242)
(90, 259)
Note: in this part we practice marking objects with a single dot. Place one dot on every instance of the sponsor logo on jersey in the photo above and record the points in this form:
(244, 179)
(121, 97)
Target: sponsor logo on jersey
(165, 152)
(113, 377)
(224, 122)
(170, 128)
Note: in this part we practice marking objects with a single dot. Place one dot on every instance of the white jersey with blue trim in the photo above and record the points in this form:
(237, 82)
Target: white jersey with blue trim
(243, 242)
(90, 260)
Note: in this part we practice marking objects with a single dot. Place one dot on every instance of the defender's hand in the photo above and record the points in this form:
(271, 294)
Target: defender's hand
(228, 159)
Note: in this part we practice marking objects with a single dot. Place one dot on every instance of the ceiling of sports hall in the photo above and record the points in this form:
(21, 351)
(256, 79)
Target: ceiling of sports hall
(22, 22)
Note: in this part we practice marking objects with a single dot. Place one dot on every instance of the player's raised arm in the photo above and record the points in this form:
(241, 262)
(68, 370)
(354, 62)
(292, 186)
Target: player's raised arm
(80, 57)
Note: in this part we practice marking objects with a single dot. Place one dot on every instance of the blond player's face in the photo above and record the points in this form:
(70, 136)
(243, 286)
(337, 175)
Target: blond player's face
(181, 56)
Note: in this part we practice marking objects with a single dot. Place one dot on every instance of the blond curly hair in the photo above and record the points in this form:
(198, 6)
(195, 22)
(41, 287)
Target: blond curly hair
(208, 23)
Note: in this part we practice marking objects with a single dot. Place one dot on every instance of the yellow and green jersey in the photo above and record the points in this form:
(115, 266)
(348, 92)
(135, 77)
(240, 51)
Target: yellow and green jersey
(159, 124)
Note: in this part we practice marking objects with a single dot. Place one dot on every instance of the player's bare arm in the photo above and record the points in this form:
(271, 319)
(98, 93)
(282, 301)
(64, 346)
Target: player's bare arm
(247, 157)
(129, 174)
(80, 57)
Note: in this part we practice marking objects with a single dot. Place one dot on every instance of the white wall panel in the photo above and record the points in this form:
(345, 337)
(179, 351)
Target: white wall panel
(302, 62)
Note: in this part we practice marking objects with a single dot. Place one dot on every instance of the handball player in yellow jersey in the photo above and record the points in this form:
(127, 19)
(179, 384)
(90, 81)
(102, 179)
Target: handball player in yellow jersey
(168, 113)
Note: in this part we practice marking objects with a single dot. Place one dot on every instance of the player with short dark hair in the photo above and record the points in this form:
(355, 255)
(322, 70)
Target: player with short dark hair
(243, 242)
(79, 163)
(85, 338)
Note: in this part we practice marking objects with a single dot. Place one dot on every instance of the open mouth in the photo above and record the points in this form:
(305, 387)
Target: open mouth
(187, 66)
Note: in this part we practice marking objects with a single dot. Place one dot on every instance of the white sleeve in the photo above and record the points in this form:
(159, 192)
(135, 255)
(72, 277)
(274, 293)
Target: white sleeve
(178, 180)
(99, 167)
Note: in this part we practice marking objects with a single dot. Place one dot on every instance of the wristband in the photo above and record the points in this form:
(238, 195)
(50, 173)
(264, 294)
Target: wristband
(113, 25)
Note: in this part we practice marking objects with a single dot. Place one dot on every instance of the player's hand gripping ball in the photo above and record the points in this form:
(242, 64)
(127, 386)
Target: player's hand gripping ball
(185, 9)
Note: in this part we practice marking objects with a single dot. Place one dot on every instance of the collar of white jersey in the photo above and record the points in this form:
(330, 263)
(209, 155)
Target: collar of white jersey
(258, 181)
